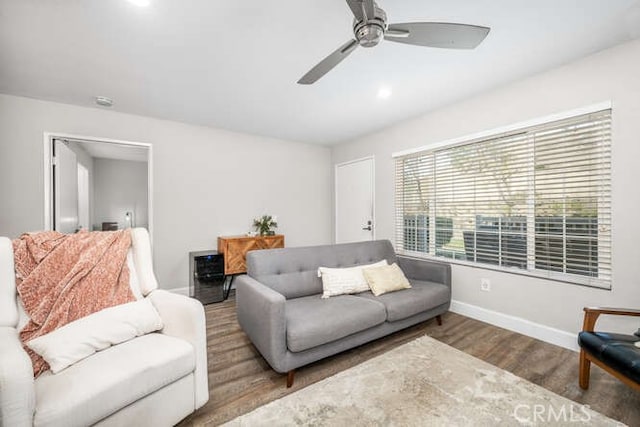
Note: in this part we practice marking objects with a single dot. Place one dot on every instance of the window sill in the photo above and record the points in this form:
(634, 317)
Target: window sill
(590, 282)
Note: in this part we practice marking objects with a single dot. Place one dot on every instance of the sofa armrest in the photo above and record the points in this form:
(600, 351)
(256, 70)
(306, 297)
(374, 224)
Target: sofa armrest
(183, 317)
(424, 269)
(261, 314)
(17, 391)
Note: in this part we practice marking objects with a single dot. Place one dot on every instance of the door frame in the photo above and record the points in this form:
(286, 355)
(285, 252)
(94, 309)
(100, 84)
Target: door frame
(373, 193)
(48, 171)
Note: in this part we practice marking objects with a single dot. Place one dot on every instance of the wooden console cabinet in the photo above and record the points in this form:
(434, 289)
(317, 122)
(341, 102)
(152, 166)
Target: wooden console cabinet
(235, 249)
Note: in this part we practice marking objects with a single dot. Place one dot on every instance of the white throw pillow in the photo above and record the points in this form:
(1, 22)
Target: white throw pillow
(340, 281)
(98, 331)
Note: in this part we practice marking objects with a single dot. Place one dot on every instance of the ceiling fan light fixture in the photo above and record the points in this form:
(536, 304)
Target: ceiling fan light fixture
(369, 35)
(370, 31)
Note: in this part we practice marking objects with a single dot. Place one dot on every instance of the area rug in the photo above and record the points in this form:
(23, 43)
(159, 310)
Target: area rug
(423, 383)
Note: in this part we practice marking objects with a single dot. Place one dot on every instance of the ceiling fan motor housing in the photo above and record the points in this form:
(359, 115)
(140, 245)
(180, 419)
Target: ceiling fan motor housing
(369, 32)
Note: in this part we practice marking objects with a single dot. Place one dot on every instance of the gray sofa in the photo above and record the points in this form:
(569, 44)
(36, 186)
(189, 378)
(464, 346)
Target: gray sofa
(280, 309)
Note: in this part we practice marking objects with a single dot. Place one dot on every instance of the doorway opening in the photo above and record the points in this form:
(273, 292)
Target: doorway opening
(96, 184)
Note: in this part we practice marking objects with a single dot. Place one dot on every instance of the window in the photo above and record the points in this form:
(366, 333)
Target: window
(534, 200)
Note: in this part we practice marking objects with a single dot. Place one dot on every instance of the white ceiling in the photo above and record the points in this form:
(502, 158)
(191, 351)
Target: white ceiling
(234, 64)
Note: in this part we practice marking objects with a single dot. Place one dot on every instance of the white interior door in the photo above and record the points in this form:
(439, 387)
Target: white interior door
(84, 220)
(65, 190)
(354, 188)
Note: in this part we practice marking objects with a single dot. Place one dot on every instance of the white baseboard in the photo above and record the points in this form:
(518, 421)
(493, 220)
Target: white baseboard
(517, 324)
(182, 291)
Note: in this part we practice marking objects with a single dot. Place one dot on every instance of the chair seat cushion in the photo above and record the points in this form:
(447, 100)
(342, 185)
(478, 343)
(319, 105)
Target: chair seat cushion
(422, 296)
(111, 379)
(614, 350)
(313, 321)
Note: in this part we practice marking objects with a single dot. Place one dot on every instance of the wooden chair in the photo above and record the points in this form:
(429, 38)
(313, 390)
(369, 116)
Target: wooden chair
(615, 353)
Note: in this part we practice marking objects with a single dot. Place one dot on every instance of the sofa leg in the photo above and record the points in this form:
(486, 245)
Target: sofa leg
(290, 375)
(585, 367)
(439, 320)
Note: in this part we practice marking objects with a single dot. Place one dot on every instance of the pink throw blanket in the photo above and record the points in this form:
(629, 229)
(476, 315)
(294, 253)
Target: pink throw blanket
(63, 277)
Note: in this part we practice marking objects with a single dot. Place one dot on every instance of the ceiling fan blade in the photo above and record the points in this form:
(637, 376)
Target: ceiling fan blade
(437, 34)
(324, 66)
(356, 9)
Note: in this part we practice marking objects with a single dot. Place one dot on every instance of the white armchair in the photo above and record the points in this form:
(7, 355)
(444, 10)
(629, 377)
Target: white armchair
(153, 380)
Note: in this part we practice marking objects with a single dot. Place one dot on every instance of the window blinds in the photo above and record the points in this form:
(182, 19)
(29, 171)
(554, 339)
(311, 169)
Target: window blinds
(534, 201)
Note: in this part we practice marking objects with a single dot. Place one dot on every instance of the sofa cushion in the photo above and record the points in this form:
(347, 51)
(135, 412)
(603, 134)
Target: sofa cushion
(313, 321)
(422, 296)
(110, 380)
(292, 272)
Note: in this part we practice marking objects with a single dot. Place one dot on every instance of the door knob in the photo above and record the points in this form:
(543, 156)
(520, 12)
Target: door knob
(369, 227)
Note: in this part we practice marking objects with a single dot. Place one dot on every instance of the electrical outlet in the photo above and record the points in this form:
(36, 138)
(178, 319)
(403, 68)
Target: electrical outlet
(485, 285)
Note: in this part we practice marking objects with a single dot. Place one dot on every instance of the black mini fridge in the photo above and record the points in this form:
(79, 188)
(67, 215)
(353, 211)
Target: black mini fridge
(207, 282)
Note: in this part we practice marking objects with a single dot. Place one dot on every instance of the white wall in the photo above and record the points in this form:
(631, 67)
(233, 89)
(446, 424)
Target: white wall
(119, 186)
(613, 75)
(206, 182)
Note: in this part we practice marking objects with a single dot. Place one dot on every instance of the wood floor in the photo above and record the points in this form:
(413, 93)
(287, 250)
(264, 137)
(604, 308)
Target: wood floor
(240, 380)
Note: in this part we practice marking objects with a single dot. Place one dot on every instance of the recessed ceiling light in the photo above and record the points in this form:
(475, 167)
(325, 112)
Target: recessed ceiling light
(384, 92)
(104, 101)
(140, 3)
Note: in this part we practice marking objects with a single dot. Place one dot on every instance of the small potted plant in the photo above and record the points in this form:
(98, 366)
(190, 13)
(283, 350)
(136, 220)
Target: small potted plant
(264, 225)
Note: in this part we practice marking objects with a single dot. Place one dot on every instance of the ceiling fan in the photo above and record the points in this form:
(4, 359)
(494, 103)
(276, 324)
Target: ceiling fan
(370, 27)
